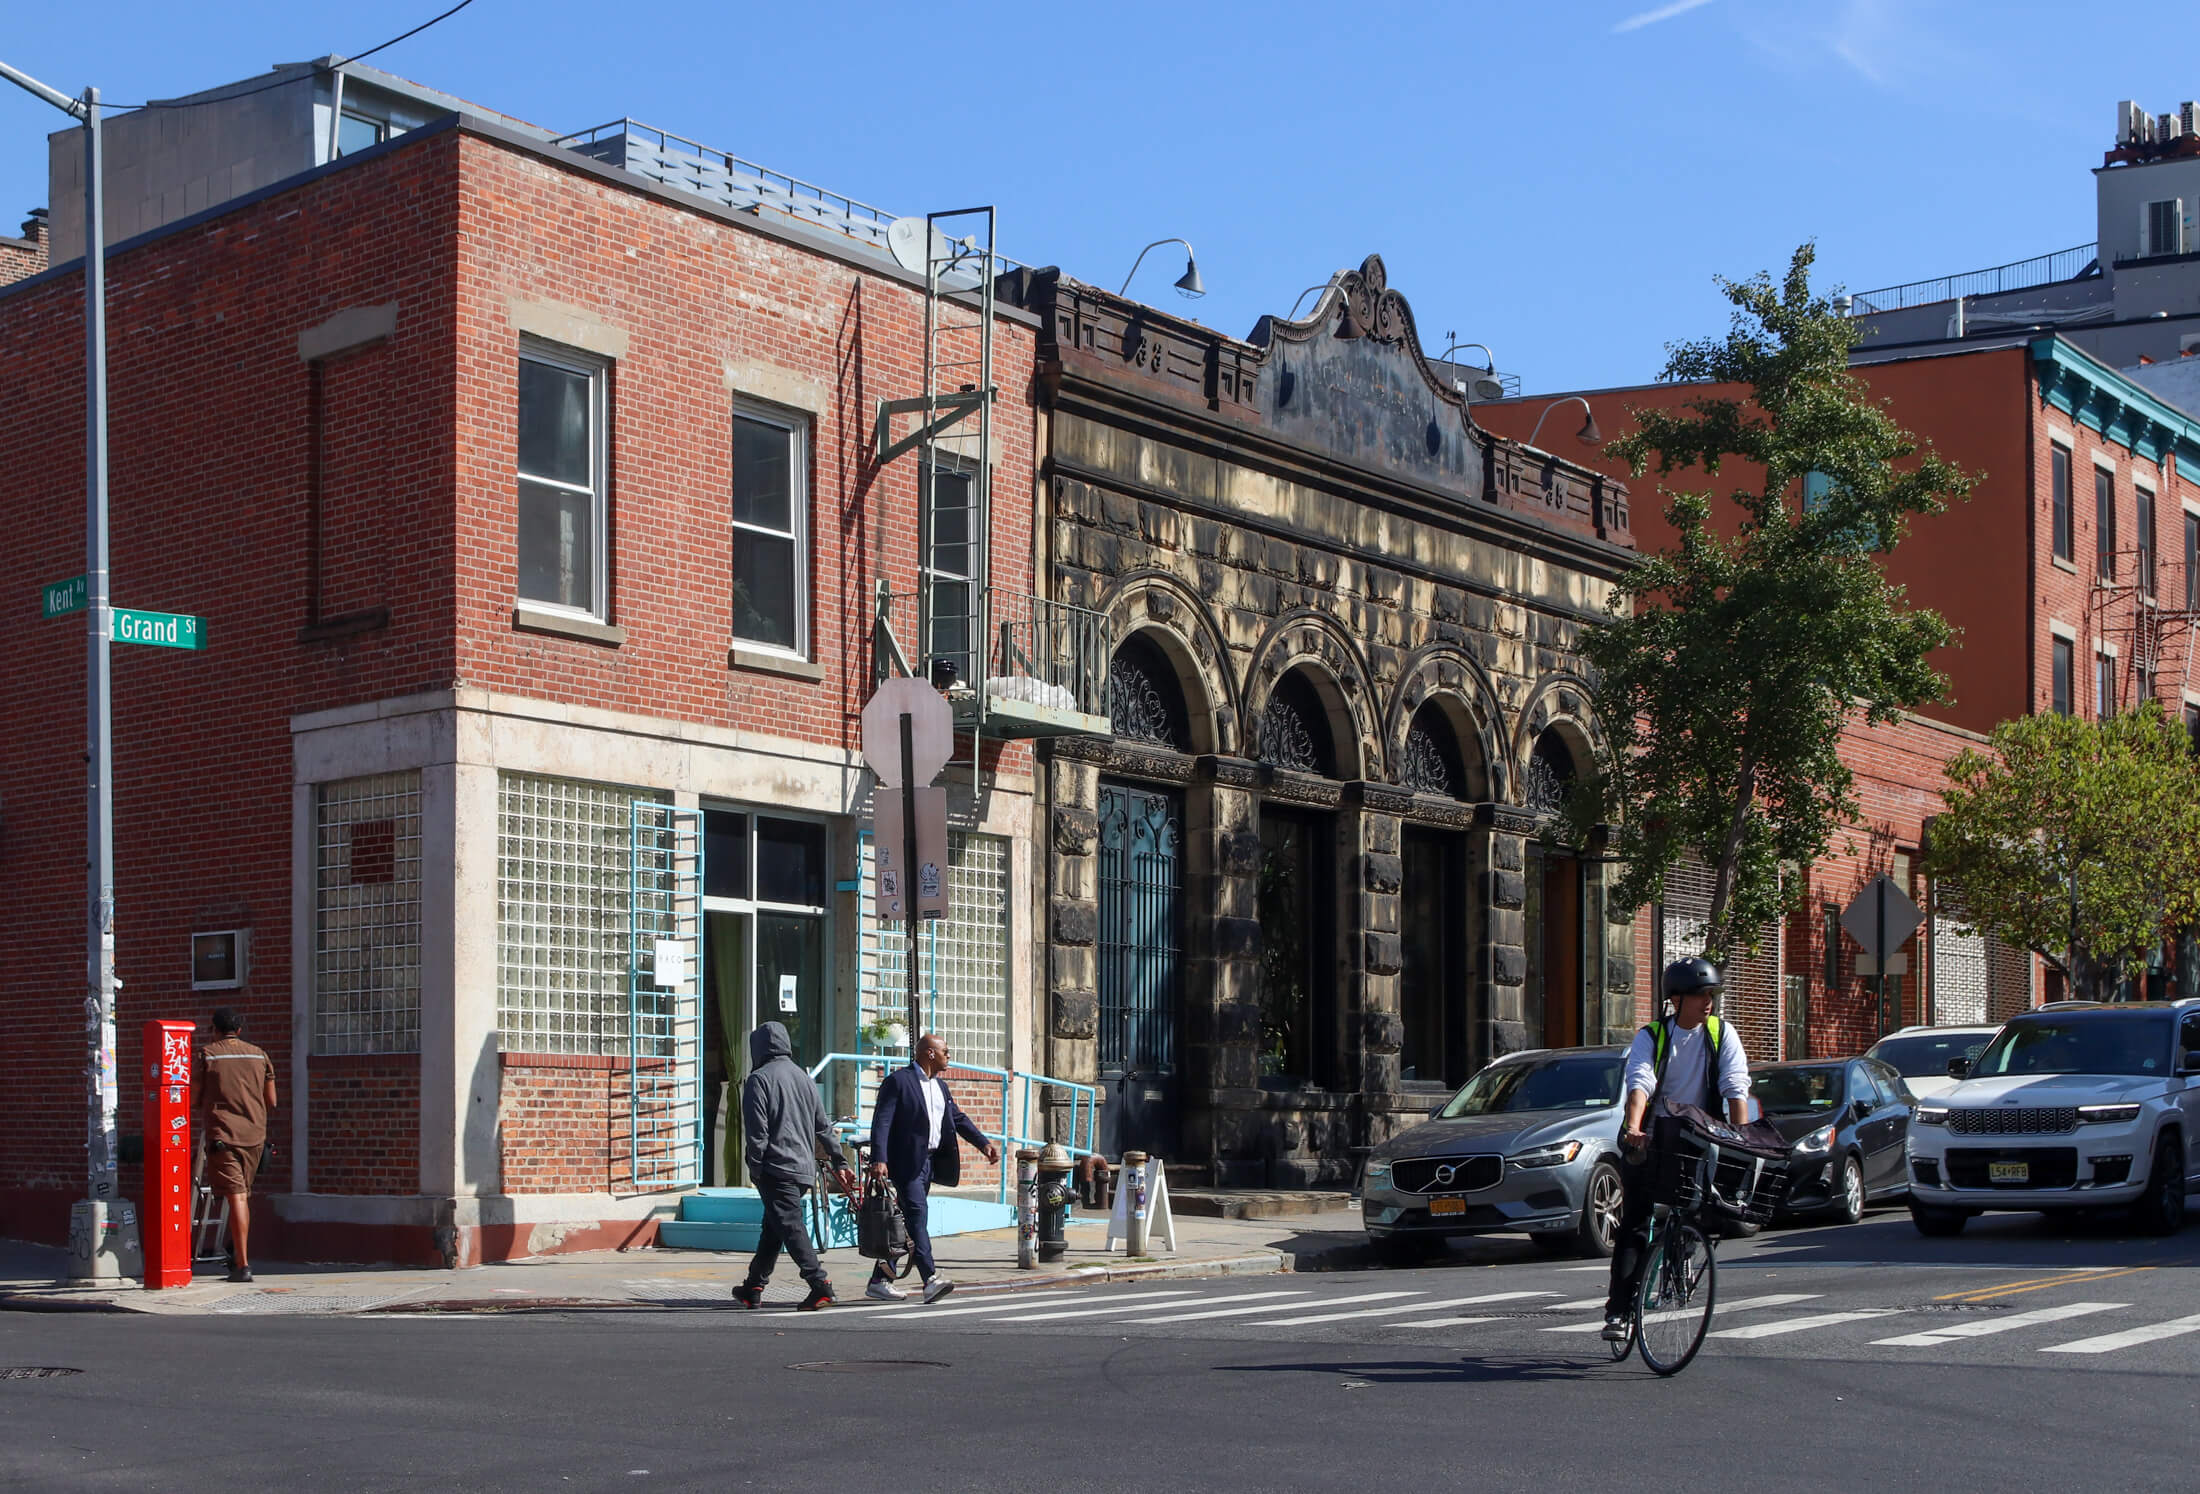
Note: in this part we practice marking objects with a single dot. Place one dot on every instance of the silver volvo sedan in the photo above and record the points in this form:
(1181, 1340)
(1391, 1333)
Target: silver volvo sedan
(1529, 1143)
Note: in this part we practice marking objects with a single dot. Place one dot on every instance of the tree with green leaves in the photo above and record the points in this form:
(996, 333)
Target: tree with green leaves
(1729, 663)
(2078, 840)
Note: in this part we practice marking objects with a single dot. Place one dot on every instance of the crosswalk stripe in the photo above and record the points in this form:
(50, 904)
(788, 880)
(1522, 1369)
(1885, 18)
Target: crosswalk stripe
(1999, 1325)
(1798, 1325)
(1579, 1304)
(914, 1312)
(1740, 1304)
(2109, 1342)
(1094, 1312)
(1021, 1299)
(1379, 1312)
(1239, 1312)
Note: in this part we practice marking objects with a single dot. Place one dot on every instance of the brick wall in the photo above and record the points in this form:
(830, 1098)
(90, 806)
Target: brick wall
(213, 466)
(363, 1124)
(979, 1095)
(24, 257)
(562, 1123)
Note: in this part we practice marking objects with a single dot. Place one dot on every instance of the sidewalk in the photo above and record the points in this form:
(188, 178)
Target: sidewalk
(660, 1279)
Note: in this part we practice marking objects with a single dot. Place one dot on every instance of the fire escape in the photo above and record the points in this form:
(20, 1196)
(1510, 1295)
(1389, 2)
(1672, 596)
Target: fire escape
(1013, 665)
(2155, 644)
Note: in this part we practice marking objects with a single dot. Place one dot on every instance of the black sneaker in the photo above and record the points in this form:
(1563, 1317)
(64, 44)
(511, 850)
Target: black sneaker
(820, 1296)
(749, 1295)
(240, 1273)
(1616, 1328)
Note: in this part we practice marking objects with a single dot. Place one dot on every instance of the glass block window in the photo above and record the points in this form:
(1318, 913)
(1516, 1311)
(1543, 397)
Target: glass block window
(564, 889)
(965, 954)
(366, 915)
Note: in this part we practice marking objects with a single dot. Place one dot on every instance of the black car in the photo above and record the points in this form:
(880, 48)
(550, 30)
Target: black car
(1848, 1119)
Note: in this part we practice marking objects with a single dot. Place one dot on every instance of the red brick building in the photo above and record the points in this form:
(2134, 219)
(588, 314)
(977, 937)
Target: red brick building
(536, 513)
(2071, 577)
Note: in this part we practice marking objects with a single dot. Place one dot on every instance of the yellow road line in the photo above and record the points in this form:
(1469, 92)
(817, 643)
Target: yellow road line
(1990, 1291)
(2017, 1289)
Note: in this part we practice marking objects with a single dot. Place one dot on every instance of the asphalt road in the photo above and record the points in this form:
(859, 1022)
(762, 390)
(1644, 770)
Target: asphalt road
(2018, 1356)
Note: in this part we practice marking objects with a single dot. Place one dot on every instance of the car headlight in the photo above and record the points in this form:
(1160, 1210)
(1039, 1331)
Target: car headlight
(1378, 1175)
(1547, 1156)
(2100, 1115)
(1816, 1143)
(1930, 1115)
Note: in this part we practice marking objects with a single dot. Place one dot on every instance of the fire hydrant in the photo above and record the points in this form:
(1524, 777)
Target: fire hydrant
(1056, 1192)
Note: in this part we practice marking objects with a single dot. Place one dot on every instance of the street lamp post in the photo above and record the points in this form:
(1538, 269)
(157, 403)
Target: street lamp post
(103, 1234)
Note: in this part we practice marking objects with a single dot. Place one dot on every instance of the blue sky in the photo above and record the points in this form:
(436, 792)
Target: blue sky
(1560, 181)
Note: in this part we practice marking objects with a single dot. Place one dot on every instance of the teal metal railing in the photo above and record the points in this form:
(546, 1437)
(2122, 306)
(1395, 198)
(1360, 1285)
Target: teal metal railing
(1016, 1084)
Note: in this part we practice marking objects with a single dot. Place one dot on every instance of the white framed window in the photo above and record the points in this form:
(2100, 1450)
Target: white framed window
(357, 132)
(563, 494)
(2162, 226)
(953, 562)
(771, 521)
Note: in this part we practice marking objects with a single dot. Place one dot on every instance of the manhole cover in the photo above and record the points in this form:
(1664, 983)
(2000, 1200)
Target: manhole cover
(865, 1366)
(1952, 1306)
(35, 1371)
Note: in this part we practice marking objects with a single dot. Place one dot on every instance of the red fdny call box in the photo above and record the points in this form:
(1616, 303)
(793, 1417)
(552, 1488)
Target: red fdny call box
(165, 1216)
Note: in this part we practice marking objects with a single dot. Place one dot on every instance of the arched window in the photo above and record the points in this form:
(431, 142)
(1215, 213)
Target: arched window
(1433, 763)
(1550, 774)
(1145, 702)
(1294, 730)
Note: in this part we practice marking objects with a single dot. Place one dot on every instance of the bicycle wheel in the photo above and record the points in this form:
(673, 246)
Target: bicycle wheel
(1680, 1283)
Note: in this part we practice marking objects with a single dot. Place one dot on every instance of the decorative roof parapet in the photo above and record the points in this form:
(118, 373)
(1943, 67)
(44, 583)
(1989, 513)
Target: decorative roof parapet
(1349, 382)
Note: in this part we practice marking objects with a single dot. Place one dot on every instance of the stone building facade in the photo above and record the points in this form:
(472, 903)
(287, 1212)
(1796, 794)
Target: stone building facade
(1310, 883)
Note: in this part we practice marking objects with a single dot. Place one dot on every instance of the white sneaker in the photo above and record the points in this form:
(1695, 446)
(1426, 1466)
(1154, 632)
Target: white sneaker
(884, 1291)
(936, 1288)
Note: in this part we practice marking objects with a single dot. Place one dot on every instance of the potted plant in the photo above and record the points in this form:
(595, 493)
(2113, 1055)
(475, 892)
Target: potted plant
(887, 1032)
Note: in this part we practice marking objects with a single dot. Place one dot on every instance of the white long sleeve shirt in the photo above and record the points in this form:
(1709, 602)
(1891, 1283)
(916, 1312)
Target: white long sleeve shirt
(1686, 1064)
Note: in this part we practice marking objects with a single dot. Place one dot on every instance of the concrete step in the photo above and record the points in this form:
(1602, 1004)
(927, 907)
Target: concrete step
(722, 1206)
(1257, 1203)
(690, 1234)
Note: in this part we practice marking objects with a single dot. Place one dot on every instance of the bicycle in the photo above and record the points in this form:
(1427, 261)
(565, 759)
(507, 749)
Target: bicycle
(1679, 1289)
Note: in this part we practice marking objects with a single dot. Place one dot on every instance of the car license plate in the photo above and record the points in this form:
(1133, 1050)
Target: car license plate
(1447, 1206)
(2009, 1172)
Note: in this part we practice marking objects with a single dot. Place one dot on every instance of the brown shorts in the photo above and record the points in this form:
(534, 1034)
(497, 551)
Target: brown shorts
(230, 1170)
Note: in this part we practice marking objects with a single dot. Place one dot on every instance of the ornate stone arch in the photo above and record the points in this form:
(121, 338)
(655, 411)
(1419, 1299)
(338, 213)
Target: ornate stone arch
(1559, 703)
(1159, 607)
(1454, 682)
(1319, 646)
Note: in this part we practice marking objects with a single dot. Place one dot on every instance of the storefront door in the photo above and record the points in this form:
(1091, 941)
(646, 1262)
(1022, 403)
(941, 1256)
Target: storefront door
(767, 955)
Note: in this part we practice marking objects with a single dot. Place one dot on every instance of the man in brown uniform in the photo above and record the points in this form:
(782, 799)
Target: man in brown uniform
(236, 1092)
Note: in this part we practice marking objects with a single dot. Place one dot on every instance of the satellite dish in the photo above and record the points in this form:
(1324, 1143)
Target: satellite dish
(912, 242)
(916, 246)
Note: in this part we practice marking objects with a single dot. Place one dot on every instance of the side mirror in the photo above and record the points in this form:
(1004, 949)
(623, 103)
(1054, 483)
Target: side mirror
(1959, 1068)
(1861, 1109)
(2188, 1060)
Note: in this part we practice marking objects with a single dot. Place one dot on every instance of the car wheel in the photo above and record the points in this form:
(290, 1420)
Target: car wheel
(1601, 1205)
(1848, 1197)
(2162, 1211)
(1938, 1223)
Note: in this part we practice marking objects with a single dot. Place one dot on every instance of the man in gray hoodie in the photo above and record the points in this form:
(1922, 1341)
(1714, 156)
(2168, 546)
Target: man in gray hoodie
(784, 1133)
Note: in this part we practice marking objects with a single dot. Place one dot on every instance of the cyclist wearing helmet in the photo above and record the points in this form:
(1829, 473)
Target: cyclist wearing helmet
(1691, 1058)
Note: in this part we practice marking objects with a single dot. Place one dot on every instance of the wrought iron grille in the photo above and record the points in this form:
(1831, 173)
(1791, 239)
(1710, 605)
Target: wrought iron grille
(1426, 768)
(1139, 705)
(1289, 727)
(665, 996)
(1141, 908)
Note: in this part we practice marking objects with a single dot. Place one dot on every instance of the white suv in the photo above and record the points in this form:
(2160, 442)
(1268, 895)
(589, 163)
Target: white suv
(2074, 1107)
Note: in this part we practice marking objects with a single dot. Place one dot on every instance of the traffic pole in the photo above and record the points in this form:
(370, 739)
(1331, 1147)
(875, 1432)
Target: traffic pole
(909, 874)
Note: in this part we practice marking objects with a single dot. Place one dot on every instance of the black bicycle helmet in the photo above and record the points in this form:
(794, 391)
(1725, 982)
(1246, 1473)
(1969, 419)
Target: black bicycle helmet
(1691, 977)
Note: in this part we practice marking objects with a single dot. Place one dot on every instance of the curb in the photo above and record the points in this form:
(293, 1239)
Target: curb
(1249, 1263)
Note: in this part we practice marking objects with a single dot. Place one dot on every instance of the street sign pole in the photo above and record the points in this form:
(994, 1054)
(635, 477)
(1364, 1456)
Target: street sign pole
(99, 1245)
(909, 873)
(1879, 914)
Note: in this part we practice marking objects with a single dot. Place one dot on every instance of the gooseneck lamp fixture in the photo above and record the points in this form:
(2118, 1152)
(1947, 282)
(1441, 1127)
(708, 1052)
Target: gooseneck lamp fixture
(1188, 284)
(1588, 435)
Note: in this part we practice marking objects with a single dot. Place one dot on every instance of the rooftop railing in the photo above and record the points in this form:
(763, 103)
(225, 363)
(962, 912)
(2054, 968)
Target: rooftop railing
(2074, 263)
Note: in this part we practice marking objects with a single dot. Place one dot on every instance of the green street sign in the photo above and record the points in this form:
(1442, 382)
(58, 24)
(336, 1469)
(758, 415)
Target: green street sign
(162, 629)
(64, 597)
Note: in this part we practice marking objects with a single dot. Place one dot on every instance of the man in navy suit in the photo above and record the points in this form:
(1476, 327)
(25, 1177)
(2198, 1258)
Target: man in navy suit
(913, 1131)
